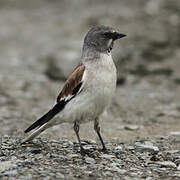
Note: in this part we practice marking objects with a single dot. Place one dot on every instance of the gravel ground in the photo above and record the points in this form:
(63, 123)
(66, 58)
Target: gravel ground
(40, 44)
(157, 158)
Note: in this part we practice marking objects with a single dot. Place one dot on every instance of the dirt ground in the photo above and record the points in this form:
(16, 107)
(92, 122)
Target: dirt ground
(41, 43)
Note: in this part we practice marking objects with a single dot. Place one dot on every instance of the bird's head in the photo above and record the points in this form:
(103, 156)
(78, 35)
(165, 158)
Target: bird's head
(102, 38)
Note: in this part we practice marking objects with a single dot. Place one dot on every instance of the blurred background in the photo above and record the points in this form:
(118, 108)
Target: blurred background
(40, 44)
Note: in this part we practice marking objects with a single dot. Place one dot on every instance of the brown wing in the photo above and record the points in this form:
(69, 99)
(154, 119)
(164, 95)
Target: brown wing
(73, 83)
(70, 89)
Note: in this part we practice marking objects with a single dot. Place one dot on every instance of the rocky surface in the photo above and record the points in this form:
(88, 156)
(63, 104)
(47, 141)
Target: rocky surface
(41, 43)
(45, 159)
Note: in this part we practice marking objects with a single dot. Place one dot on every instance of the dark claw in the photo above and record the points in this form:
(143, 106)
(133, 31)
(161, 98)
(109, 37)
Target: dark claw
(104, 150)
(83, 152)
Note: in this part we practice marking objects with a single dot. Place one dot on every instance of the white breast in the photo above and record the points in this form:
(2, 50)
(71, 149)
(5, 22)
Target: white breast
(102, 77)
(108, 76)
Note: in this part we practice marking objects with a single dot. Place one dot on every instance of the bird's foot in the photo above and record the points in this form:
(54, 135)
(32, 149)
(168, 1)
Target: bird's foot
(104, 150)
(84, 152)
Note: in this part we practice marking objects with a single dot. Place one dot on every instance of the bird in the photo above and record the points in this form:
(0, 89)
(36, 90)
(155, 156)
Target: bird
(89, 88)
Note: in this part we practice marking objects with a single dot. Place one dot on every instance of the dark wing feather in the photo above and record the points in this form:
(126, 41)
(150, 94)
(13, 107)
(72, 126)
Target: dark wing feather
(69, 91)
(48, 116)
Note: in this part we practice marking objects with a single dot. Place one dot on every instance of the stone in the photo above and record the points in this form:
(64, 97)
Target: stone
(59, 175)
(73, 155)
(167, 164)
(88, 147)
(121, 171)
(131, 127)
(35, 151)
(172, 151)
(90, 160)
(5, 165)
(175, 133)
(107, 173)
(130, 148)
(107, 156)
(118, 148)
(178, 168)
(10, 173)
(147, 146)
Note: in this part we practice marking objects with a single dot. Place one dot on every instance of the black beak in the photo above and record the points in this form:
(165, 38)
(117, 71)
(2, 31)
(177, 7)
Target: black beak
(117, 35)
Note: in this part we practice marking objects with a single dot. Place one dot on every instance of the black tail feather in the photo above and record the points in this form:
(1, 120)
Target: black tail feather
(48, 116)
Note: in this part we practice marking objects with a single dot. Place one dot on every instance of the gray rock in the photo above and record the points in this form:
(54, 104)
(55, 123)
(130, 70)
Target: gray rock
(177, 161)
(10, 173)
(130, 148)
(172, 151)
(131, 127)
(167, 164)
(176, 175)
(5, 165)
(90, 160)
(149, 178)
(122, 171)
(118, 148)
(73, 155)
(147, 146)
(59, 175)
(178, 168)
(175, 133)
(107, 173)
(60, 156)
(88, 147)
(107, 156)
(89, 173)
(35, 150)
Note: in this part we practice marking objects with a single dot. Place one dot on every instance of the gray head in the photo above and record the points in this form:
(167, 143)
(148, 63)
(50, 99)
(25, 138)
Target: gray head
(101, 38)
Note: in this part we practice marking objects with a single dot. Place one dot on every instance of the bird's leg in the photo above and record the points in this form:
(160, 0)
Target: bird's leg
(97, 129)
(76, 129)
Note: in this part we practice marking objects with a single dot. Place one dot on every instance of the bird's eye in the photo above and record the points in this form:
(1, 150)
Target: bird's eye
(106, 33)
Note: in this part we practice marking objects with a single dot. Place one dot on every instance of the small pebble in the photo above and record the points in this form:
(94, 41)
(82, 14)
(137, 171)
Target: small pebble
(107, 173)
(175, 133)
(35, 151)
(167, 164)
(147, 146)
(131, 127)
(5, 165)
(73, 155)
(122, 171)
(10, 173)
(130, 148)
(107, 156)
(172, 151)
(60, 176)
(118, 148)
(178, 168)
(90, 160)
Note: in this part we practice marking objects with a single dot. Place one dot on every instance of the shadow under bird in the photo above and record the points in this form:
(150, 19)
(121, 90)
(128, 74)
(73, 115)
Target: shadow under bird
(89, 88)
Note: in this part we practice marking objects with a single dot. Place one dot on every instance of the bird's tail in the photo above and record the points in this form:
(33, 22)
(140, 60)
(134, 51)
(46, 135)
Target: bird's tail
(47, 117)
(44, 122)
(36, 133)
